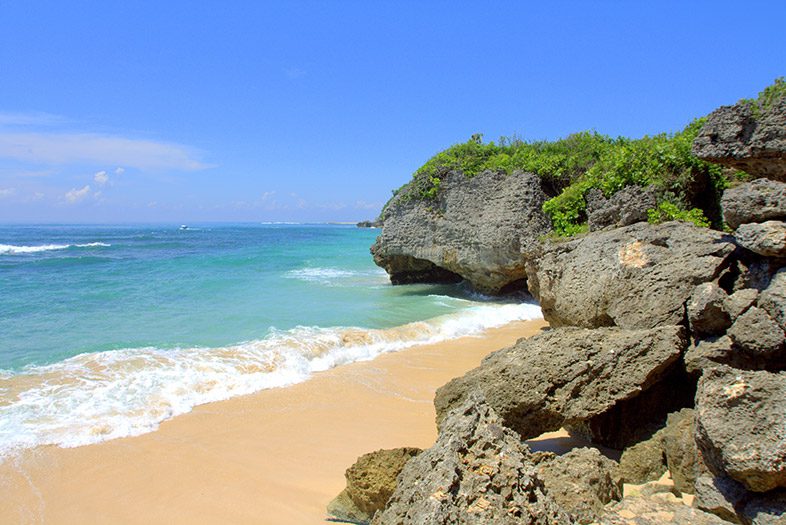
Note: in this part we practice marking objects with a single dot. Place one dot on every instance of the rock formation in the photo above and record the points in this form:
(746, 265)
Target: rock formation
(639, 276)
(478, 472)
(667, 342)
(747, 137)
(474, 229)
(370, 483)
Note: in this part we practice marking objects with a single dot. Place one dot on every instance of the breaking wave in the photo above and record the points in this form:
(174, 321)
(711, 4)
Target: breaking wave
(95, 397)
(10, 249)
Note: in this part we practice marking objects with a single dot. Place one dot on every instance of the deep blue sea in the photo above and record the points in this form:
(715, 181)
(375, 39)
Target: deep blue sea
(105, 331)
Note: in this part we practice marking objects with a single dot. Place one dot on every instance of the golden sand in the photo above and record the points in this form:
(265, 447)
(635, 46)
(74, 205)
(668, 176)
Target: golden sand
(275, 457)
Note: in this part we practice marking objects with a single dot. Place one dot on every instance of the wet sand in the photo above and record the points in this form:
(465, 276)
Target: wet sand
(275, 457)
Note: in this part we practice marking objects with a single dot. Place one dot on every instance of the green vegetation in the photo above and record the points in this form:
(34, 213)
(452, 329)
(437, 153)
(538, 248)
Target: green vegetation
(767, 97)
(571, 166)
(688, 188)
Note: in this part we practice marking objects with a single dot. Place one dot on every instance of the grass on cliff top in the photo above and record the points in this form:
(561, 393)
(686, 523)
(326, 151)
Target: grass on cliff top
(768, 97)
(571, 166)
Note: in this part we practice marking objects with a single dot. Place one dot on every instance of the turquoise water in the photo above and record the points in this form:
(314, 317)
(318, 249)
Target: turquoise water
(107, 330)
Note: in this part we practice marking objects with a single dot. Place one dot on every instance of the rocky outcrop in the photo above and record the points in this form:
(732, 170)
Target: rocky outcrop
(627, 206)
(582, 482)
(758, 201)
(644, 461)
(370, 224)
(680, 449)
(370, 483)
(766, 238)
(639, 276)
(740, 427)
(475, 228)
(748, 137)
(572, 376)
(478, 472)
(658, 509)
(707, 314)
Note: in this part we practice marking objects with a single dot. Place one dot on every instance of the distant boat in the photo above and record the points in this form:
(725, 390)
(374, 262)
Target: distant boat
(183, 227)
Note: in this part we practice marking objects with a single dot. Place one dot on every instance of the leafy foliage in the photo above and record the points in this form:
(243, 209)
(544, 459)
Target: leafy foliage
(768, 97)
(571, 166)
(668, 211)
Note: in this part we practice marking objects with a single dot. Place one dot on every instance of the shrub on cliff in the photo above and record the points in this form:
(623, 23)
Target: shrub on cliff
(571, 166)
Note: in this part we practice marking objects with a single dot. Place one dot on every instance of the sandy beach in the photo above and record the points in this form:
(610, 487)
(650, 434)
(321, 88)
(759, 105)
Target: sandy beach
(274, 457)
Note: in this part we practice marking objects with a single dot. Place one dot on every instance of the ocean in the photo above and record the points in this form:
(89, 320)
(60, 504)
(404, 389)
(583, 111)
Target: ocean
(105, 331)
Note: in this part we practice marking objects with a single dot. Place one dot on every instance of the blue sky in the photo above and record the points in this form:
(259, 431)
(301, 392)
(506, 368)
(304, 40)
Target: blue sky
(315, 111)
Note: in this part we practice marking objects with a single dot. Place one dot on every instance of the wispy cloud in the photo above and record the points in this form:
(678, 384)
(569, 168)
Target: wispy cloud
(101, 178)
(75, 195)
(35, 118)
(74, 148)
(6, 192)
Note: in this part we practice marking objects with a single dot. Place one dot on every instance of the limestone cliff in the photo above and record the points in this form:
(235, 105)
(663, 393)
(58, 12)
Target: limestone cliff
(474, 228)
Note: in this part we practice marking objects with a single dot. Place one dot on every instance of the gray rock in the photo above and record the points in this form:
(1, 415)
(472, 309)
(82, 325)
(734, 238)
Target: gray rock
(571, 376)
(476, 228)
(370, 483)
(759, 335)
(746, 138)
(721, 496)
(757, 201)
(582, 482)
(645, 461)
(710, 353)
(773, 299)
(639, 276)
(627, 206)
(766, 238)
(478, 472)
(738, 303)
(767, 509)
(680, 449)
(707, 313)
(658, 509)
(755, 273)
(740, 427)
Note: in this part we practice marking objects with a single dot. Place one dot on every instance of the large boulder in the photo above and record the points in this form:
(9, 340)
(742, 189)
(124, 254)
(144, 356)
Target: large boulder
(478, 472)
(760, 336)
(757, 201)
(577, 377)
(474, 228)
(773, 298)
(746, 136)
(720, 495)
(582, 482)
(370, 483)
(766, 238)
(707, 313)
(645, 461)
(740, 428)
(639, 276)
(627, 206)
(767, 509)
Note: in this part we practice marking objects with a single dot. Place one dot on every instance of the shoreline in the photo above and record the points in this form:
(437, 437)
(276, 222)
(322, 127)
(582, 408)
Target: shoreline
(275, 456)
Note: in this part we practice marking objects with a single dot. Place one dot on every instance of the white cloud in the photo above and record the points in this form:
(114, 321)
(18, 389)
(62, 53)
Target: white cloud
(6, 192)
(70, 148)
(101, 178)
(35, 118)
(120, 171)
(75, 195)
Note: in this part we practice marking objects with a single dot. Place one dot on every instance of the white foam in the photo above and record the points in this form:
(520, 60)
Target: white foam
(95, 397)
(335, 276)
(10, 249)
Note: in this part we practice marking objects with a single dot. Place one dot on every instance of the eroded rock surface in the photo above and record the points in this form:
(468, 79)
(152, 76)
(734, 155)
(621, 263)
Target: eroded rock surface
(475, 228)
(370, 483)
(582, 482)
(570, 376)
(627, 206)
(740, 428)
(766, 238)
(757, 201)
(639, 276)
(746, 137)
(478, 472)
